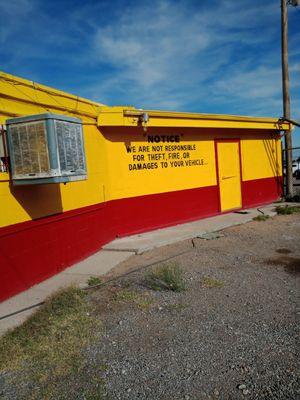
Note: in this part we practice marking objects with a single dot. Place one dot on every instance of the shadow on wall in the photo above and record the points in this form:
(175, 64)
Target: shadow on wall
(38, 200)
(273, 155)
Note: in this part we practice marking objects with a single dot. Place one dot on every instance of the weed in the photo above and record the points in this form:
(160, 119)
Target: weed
(48, 347)
(125, 295)
(94, 280)
(144, 303)
(212, 283)
(287, 210)
(262, 217)
(166, 277)
(141, 300)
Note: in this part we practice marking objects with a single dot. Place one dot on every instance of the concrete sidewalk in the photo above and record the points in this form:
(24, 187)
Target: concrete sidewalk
(113, 254)
(162, 237)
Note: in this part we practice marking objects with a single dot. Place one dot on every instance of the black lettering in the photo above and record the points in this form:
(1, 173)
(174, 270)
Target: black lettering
(164, 138)
(141, 166)
(130, 149)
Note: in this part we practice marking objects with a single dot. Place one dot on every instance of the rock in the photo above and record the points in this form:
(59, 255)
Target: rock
(242, 387)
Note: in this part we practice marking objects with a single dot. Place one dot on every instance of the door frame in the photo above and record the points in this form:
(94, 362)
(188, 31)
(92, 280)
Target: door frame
(227, 140)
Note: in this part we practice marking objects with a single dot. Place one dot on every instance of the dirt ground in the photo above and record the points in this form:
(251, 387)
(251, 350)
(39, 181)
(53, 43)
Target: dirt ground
(232, 334)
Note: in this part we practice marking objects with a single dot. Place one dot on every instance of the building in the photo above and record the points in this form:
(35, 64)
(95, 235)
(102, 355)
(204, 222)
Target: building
(145, 170)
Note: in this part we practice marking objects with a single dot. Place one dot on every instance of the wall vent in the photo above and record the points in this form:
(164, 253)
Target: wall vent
(46, 148)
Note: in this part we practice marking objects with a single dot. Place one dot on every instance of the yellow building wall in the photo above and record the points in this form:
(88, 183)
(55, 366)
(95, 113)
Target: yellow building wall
(261, 157)
(110, 164)
(22, 203)
(170, 166)
(20, 97)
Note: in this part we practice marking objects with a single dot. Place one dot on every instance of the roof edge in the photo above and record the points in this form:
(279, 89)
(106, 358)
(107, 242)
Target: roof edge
(129, 116)
(44, 88)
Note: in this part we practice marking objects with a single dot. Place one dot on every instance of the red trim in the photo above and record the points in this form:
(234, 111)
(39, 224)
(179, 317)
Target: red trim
(261, 191)
(12, 229)
(33, 251)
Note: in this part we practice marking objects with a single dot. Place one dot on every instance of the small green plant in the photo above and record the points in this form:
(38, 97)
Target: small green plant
(126, 295)
(287, 210)
(211, 282)
(94, 280)
(166, 277)
(262, 217)
(144, 303)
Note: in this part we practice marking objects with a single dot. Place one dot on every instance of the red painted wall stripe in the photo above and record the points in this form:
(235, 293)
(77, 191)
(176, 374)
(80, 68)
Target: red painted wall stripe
(35, 250)
(261, 191)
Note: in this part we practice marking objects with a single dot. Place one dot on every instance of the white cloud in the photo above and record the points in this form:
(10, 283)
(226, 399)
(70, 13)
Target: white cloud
(150, 45)
(168, 55)
(210, 56)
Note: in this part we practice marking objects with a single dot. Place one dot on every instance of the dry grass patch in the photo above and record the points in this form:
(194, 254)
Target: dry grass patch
(142, 300)
(125, 295)
(48, 348)
(145, 302)
(211, 282)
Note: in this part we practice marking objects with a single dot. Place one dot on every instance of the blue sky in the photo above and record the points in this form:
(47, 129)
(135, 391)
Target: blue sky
(205, 56)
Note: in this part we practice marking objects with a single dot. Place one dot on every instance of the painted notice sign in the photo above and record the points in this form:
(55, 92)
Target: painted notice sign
(163, 151)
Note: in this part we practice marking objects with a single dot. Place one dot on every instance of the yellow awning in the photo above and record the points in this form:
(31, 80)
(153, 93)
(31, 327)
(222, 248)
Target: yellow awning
(129, 116)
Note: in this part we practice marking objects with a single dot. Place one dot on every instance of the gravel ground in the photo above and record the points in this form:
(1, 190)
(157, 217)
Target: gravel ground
(228, 342)
(234, 340)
